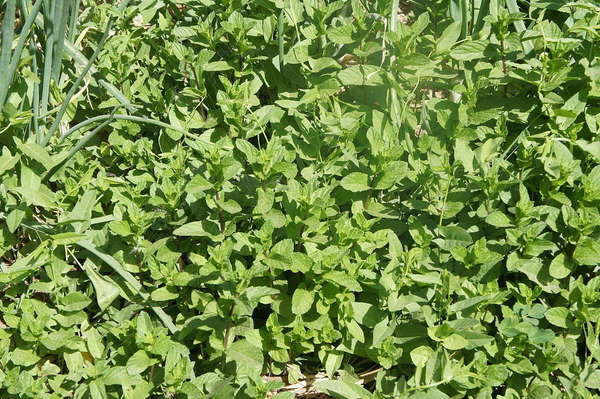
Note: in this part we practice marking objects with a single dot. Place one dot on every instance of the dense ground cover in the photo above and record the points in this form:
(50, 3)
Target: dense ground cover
(206, 198)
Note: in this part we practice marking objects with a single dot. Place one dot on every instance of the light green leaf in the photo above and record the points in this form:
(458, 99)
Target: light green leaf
(455, 342)
(498, 219)
(24, 357)
(74, 301)
(469, 51)
(247, 357)
(421, 355)
(302, 301)
(561, 266)
(361, 75)
(355, 182)
(587, 252)
(106, 290)
(342, 389)
(343, 279)
(558, 316)
(139, 362)
(164, 294)
(448, 37)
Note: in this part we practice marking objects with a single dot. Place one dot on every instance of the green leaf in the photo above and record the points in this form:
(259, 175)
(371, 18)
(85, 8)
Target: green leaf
(470, 50)
(454, 236)
(587, 252)
(498, 219)
(216, 66)
(421, 355)
(561, 266)
(355, 182)
(302, 301)
(67, 238)
(360, 75)
(455, 342)
(24, 357)
(247, 357)
(342, 389)
(558, 316)
(106, 290)
(343, 279)
(204, 228)
(164, 294)
(74, 301)
(366, 314)
(448, 37)
(139, 362)
(464, 154)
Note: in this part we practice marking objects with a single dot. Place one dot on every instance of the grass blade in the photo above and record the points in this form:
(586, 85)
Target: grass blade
(394, 16)
(130, 118)
(280, 38)
(73, 20)
(59, 39)
(484, 10)
(464, 18)
(513, 8)
(16, 56)
(120, 270)
(36, 94)
(73, 89)
(83, 141)
(8, 30)
(48, 14)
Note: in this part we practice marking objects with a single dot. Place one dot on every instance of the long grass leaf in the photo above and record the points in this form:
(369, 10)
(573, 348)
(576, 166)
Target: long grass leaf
(83, 141)
(79, 79)
(49, 27)
(280, 38)
(464, 18)
(513, 8)
(130, 279)
(59, 38)
(130, 118)
(394, 16)
(36, 94)
(454, 11)
(484, 10)
(16, 55)
(8, 30)
(73, 20)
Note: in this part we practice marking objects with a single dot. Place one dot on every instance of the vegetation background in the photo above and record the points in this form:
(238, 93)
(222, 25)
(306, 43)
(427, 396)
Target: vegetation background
(269, 198)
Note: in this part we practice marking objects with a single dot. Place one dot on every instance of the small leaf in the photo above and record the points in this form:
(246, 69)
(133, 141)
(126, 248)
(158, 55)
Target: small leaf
(448, 37)
(455, 342)
(164, 294)
(248, 358)
(342, 389)
(74, 301)
(587, 252)
(205, 228)
(24, 357)
(561, 266)
(106, 290)
(139, 362)
(421, 355)
(469, 51)
(355, 182)
(343, 279)
(498, 219)
(558, 316)
(302, 301)
(67, 238)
